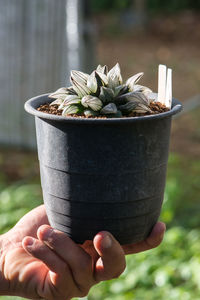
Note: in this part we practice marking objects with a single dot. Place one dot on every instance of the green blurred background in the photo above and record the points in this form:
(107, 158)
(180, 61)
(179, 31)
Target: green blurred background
(169, 34)
(152, 5)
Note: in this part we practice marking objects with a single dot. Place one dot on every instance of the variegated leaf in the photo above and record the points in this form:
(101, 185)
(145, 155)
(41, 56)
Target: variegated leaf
(71, 91)
(153, 97)
(106, 94)
(58, 101)
(128, 107)
(141, 108)
(92, 83)
(90, 113)
(102, 69)
(119, 90)
(142, 89)
(79, 76)
(71, 99)
(103, 78)
(70, 110)
(110, 108)
(80, 88)
(133, 80)
(138, 97)
(93, 102)
(114, 76)
(95, 81)
(60, 93)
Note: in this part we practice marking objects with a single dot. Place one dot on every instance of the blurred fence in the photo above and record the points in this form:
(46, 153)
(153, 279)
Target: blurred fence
(38, 47)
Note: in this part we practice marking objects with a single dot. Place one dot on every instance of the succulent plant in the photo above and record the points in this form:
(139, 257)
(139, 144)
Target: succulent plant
(103, 93)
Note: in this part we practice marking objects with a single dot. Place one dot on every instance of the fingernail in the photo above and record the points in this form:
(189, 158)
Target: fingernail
(106, 242)
(29, 242)
(47, 234)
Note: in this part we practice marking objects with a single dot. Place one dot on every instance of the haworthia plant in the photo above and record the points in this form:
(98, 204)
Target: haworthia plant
(103, 93)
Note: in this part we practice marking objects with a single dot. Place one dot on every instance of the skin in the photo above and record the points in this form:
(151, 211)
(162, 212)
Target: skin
(39, 262)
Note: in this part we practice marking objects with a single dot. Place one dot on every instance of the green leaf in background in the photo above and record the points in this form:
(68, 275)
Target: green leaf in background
(15, 201)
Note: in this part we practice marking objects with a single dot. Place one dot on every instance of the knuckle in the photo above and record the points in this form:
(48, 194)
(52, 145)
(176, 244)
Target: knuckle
(56, 239)
(85, 264)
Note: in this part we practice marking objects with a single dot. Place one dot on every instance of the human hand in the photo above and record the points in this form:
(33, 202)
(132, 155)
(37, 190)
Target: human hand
(35, 265)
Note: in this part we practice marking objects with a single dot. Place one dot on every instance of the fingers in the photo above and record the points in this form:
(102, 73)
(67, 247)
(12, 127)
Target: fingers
(112, 260)
(152, 241)
(79, 262)
(61, 276)
(39, 250)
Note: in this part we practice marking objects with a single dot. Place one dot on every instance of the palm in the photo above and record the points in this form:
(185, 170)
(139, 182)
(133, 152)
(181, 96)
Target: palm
(19, 266)
(31, 275)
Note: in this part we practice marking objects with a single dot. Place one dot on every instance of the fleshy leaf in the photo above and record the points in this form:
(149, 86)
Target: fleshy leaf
(133, 80)
(138, 97)
(114, 76)
(92, 83)
(141, 108)
(71, 91)
(70, 110)
(119, 90)
(153, 97)
(58, 101)
(71, 99)
(79, 83)
(79, 76)
(142, 89)
(106, 94)
(93, 102)
(103, 78)
(110, 108)
(128, 107)
(118, 114)
(90, 113)
(60, 93)
(102, 69)
(80, 88)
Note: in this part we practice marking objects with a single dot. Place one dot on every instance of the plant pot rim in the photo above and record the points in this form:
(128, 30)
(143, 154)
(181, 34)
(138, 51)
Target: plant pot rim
(32, 104)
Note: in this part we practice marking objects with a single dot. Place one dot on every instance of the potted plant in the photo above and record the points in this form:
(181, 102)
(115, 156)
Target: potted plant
(103, 151)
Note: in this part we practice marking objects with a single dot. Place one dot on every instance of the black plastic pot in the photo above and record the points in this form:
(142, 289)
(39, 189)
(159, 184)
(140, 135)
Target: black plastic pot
(102, 174)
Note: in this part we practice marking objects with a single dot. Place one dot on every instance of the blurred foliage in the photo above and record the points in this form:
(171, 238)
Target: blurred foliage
(104, 5)
(172, 5)
(181, 202)
(15, 201)
(171, 271)
(152, 5)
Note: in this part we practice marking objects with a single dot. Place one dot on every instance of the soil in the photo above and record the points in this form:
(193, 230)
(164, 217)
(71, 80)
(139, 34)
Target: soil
(50, 109)
(156, 108)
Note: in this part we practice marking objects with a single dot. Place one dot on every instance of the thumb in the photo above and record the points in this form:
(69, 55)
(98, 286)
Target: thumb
(111, 262)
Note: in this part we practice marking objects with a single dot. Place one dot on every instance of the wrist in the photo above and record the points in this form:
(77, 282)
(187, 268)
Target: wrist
(4, 284)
